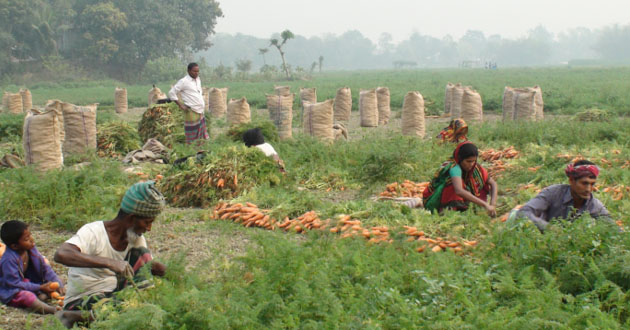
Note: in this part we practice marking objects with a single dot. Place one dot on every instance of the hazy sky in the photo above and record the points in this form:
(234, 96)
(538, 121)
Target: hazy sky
(510, 18)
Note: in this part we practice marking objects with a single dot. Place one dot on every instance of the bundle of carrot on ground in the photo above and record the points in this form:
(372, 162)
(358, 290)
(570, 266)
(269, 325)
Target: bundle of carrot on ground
(405, 189)
(250, 215)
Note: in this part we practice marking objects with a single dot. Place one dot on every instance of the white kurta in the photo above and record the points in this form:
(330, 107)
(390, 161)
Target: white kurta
(191, 93)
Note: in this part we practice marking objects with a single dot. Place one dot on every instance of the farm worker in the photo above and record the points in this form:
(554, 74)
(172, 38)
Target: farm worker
(26, 279)
(459, 181)
(106, 256)
(254, 138)
(456, 131)
(567, 201)
(192, 104)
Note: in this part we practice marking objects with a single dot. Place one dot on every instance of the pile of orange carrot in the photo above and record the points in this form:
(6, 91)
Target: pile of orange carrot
(405, 189)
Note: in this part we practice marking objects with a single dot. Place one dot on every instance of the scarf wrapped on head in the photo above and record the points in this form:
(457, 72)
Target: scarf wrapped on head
(580, 171)
(455, 132)
(143, 199)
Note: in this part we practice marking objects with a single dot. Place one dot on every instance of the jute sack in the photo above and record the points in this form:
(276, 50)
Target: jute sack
(382, 102)
(412, 117)
(80, 126)
(448, 98)
(205, 93)
(27, 99)
(155, 94)
(318, 120)
(368, 109)
(281, 113)
(217, 101)
(282, 90)
(539, 104)
(340, 131)
(55, 105)
(15, 103)
(472, 108)
(120, 100)
(238, 112)
(308, 95)
(40, 138)
(524, 104)
(5, 101)
(508, 103)
(456, 101)
(343, 104)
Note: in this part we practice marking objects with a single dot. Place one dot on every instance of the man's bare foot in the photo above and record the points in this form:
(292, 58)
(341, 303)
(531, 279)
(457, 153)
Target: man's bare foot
(69, 318)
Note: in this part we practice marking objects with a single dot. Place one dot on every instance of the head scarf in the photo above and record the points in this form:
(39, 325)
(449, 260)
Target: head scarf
(456, 131)
(143, 199)
(464, 150)
(580, 171)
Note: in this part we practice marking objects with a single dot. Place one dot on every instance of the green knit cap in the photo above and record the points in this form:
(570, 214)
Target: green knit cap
(143, 199)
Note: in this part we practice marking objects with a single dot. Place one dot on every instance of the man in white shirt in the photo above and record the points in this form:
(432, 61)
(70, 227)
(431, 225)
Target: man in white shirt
(104, 255)
(192, 103)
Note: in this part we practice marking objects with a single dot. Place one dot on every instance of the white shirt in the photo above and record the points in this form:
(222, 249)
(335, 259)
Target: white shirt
(92, 240)
(267, 149)
(191, 93)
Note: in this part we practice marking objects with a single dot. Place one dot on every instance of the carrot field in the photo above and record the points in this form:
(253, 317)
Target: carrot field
(330, 254)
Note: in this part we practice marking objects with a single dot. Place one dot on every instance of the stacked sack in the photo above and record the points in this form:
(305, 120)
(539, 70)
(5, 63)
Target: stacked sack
(120, 100)
(523, 104)
(383, 105)
(27, 100)
(217, 101)
(412, 118)
(318, 120)
(343, 104)
(238, 112)
(155, 94)
(80, 128)
(368, 108)
(463, 102)
(308, 95)
(41, 139)
(281, 113)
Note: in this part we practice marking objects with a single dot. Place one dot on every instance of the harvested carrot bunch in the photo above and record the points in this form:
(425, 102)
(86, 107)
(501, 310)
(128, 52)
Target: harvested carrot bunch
(437, 244)
(307, 221)
(492, 155)
(405, 189)
(249, 215)
(618, 192)
(348, 227)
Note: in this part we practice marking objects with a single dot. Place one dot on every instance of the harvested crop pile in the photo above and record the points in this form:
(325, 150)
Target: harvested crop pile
(436, 244)
(618, 192)
(163, 122)
(116, 138)
(221, 175)
(405, 189)
(496, 159)
(268, 129)
(593, 115)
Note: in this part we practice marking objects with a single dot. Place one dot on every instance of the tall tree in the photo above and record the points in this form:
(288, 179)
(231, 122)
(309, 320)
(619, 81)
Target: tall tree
(321, 62)
(263, 51)
(285, 35)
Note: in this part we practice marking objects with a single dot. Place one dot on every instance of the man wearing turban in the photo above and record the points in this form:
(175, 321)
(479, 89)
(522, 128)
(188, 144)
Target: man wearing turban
(567, 201)
(105, 256)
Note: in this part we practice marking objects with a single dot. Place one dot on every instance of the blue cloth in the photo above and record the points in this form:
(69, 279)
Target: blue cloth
(12, 274)
(455, 171)
(556, 202)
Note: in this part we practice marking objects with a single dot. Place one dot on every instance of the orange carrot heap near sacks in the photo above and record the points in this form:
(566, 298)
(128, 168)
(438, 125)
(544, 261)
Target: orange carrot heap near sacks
(405, 189)
(348, 227)
(437, 244)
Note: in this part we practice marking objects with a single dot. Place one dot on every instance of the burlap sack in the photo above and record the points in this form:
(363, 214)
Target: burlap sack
(205, 93)
(282, 90)
(120, 100)
(281, 113)
(217, 102)
(40, 138)
(383, 101)
(538, 103)
(340, 131)
(524, 104)
(368, 109)
(238, 112)
(448, 98)
(55, 105)
(412, 117)
(318, 120)
(155, 94)
(343, 104)
(5, 102)
(508, 103)
(15, 103)
(80, 126)
(308, 95)
(456, 101)
(27, 100)
(472, 108)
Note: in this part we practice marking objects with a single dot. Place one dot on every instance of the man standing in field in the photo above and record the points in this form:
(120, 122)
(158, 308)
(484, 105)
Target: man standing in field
(567, 201)
(106, 256)
(192, 103)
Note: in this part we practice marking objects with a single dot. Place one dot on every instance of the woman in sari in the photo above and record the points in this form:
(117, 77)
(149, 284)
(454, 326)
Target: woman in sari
(460, 181)
(456, 131)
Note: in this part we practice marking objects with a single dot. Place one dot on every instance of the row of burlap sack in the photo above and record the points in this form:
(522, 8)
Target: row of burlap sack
(463, 102)
(374, 107)
(60, 129)
(523, 104)
(17, 102)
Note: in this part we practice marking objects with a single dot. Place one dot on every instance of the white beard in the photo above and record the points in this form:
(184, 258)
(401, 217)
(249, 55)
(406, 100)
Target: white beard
(132, 237)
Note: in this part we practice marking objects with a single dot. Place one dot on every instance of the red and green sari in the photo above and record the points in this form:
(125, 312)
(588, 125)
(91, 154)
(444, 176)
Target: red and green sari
(440, 194)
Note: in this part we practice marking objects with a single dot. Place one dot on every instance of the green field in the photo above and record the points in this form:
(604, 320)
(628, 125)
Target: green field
(223, 275)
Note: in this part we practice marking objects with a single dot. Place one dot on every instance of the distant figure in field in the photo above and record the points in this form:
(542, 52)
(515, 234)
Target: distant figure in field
(192, 104)
(567, 201)
(459, 181)
(254, 138)
(455, 132)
